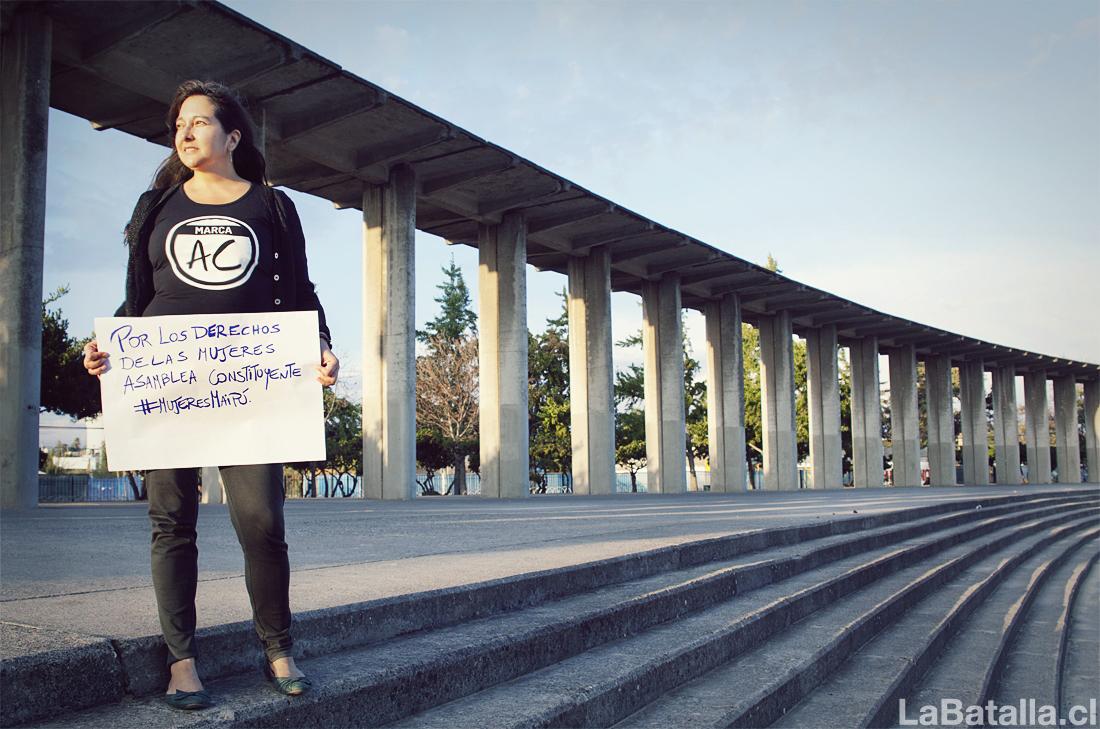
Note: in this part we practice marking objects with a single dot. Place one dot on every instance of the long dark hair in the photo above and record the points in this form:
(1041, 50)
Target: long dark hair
(248, 160)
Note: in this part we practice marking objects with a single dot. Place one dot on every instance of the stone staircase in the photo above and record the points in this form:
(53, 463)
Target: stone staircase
(826, 624)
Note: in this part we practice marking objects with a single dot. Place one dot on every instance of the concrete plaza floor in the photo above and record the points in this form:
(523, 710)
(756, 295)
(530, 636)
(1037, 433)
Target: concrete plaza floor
(73, 572)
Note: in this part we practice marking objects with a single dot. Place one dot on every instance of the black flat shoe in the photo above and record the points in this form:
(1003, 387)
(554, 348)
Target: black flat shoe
(189, 700)
(287, 686)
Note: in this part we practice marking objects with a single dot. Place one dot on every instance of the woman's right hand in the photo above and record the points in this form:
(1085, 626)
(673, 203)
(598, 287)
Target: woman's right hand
(94, 360)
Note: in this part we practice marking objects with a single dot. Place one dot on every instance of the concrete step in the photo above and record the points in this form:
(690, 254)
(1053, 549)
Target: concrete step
(608, 682)
(757, 688)
(1080, 671)
(135, 666)
(806, 547)
(950, 640)
(1031, 666)
(972, 659)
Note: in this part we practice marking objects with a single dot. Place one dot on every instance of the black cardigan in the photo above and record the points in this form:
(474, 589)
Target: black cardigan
(293, 291)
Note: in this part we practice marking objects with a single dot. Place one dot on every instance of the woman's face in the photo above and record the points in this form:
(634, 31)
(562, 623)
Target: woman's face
(201, 141)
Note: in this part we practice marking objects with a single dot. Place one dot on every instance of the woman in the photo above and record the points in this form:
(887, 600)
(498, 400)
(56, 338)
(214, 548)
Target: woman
(216, 170)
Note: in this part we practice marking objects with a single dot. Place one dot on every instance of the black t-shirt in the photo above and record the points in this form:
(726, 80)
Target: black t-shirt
(211, 259)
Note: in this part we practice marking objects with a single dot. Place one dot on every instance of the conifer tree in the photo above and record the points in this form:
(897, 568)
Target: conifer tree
(455, 317)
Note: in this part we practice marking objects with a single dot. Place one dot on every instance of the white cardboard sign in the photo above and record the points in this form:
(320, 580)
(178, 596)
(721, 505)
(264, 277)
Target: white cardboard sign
(211, 390)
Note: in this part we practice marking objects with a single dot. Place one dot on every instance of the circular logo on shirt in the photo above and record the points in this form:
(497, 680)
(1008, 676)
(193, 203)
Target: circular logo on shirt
(212, 252)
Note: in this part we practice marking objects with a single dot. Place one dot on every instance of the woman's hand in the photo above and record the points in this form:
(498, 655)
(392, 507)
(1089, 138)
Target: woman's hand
(95, 361)
(330, 366)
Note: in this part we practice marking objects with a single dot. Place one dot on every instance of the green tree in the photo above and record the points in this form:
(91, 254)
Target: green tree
(66, 387)
(447, 404)
(52, 466)
(444, 387)
(455, 318)
(754, 434)
(695, 412)
(101, 462)
(432, 455)
(630, 443)
(845, 409)
(548, 411)
(630, 450)
(343, 439)
(630, 391)
(801, 399)
(343, 448)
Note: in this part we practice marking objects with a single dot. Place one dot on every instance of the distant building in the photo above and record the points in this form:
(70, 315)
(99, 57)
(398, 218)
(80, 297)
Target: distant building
(55, 430)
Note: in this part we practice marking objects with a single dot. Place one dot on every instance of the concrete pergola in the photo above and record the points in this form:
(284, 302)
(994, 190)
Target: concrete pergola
(331, 134)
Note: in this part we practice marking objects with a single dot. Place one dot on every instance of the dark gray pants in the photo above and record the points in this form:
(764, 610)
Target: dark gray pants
(255, 495)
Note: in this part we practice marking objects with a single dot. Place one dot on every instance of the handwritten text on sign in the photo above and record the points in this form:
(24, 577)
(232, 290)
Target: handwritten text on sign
(211, 390)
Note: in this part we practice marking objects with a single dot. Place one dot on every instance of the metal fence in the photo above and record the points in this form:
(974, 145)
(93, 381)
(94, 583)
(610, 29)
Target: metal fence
(84, 488)
(79, 488)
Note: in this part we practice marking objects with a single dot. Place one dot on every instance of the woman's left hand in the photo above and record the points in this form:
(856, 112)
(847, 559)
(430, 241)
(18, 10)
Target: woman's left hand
(330, 366)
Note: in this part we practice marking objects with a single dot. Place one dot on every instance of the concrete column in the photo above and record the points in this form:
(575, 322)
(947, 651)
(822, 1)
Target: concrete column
(1092, 429)
(975, 426)
(866, 414)
(665, 424)
(24, 120)
(389, 358)
(823, 387)
(777, 402)
(1067, 441)
(1006, 426)
(591, 387)
(1037, 420)
(213, 490)
(502, 357)
(726, 395)
(904, 416)
(941, 420)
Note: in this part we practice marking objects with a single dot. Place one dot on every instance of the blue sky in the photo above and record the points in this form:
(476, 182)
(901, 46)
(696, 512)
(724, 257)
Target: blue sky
(938, 161)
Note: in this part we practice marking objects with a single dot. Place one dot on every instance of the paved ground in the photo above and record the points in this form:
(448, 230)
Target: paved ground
(82, 570)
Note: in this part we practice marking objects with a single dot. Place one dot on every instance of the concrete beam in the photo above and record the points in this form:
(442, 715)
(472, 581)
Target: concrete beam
(760, 291)
(502, 357)
(1092, 429)
(823, 385)
(445, 182)
(725, 396)
(689, 261)
(777, 402)
(23, 127)
(876, 330)
(941, 420)
(560, 220)
(665, 424)
(641, 250)
(315, 120)
(844, 316)
(1067, 444)
(591, 374)
(916, 337)
(789, 302)
(866, 414)
(904, 416)
(1006, 426)
(519, 199)
(732, 272)
(389, 357)
(809, 308)
(629, 232)
(1037, 432)
(394, 149)
(975, 425)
